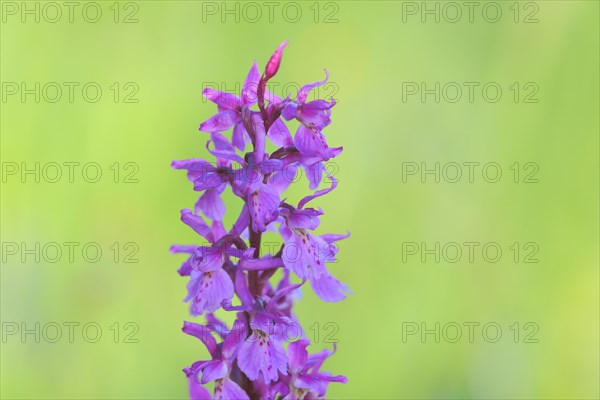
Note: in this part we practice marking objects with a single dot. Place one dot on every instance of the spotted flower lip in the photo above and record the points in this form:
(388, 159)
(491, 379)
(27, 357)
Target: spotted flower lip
(264, 353)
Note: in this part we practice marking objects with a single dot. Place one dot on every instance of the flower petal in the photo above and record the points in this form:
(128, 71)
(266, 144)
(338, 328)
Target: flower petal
(305, 90)
(197, 224)
(241, 223)
(294, 254)
(319, 193)
(213, 370)
(329, 288)
(310, 142)
(314, 173)
(211, 204)
(226, 101)
(261, 354)
(196, 390)
(249, 97)
(224, 152)
(263, 204)
(207, 259)
(297, 355)
(229, 390)
(317, 112)
(185, 269)
(304, 219)
(196, 168)
(203, 333)
(240, 137)
(334, 237)
(234, 339)
(289, 111)
(207, 290)
(280, 134)
(221, 121)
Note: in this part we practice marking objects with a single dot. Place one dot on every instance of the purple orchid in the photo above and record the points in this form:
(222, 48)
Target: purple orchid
(250, 360)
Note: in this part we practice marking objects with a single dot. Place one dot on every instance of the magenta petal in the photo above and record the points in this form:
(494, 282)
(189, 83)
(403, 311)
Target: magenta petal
(263, 205)
(216, 325)
(203, 333)
(218, 229)
(196, 390)
(316, 112)
(207, 290)
(305, 219)
(229, 390)
(193, 164)
(198, 169)
(205, 180)
(239, 136)
(319, 193)
(334, 237)
(242, 222)
(313, 383)
(280, 134)
(311, 142)
(207, 259)
(249, 97)
(221, 142)
(213, 370)
(258, 264)
(185, 269)
(224, 100)
(305, 90)
(196, 223)
(224, 152)
(329, 378)
(212, 205)
(261, 354)
(289, 111)
(182, 248)
(314, 173)
(234, 339)
(295, 256)
(329, 288)
(297, 355)
(221, 121)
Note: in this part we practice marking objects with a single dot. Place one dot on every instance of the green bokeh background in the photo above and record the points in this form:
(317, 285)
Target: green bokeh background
(171, 53)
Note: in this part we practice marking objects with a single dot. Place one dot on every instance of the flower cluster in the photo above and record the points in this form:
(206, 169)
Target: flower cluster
(250, 361)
